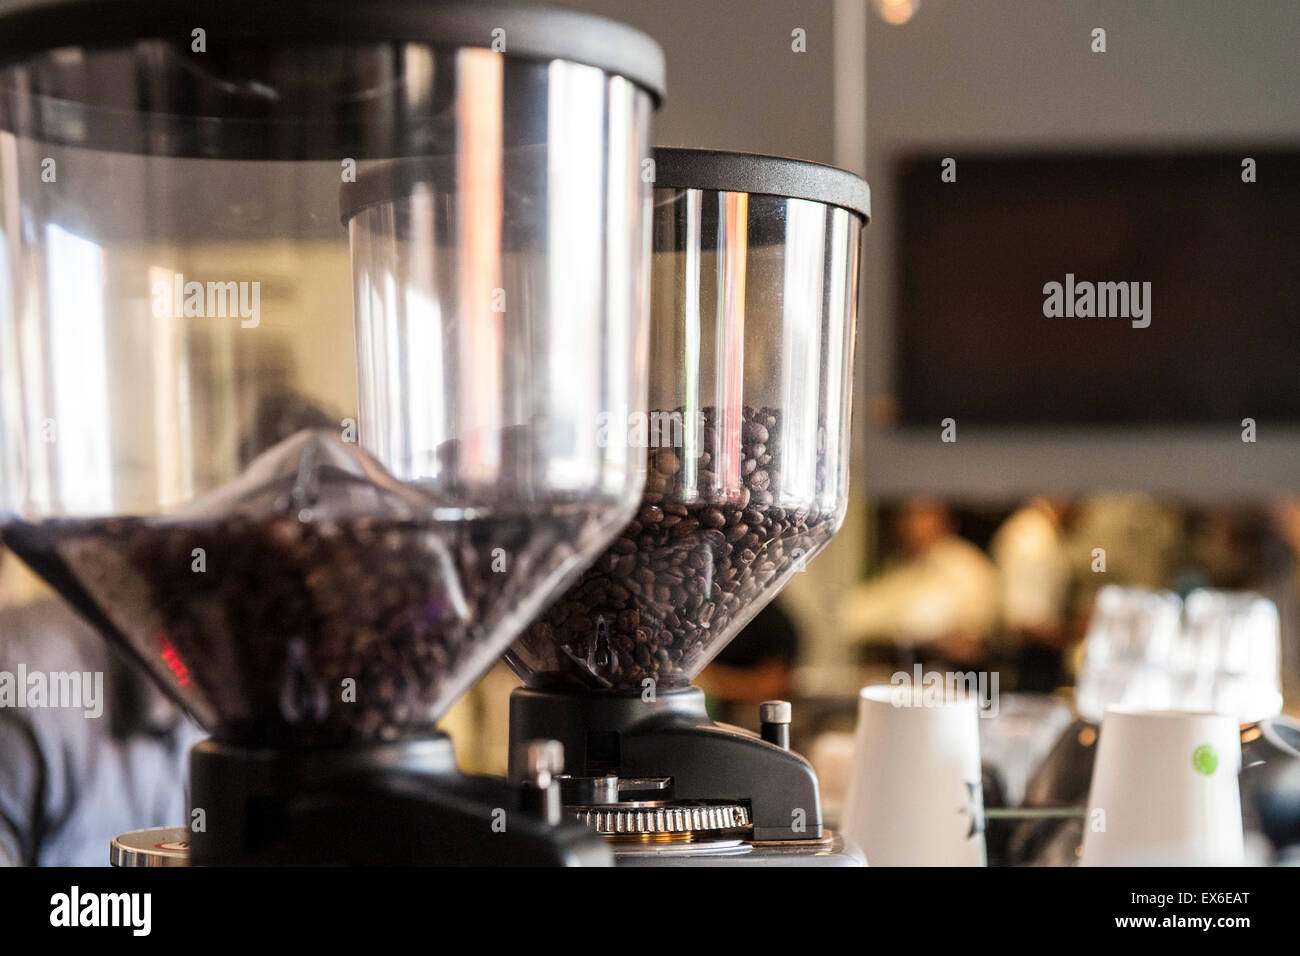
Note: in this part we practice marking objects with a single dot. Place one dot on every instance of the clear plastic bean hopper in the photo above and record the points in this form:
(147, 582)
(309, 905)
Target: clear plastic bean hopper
(316, 471)
(753, 306)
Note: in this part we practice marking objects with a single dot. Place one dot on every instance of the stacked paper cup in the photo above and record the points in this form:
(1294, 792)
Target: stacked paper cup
(1164, 791)
(914, 795)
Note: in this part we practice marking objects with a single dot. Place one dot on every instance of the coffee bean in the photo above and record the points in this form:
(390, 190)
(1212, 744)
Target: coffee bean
(258, 643)
(666, 462)
(687, 568)
(651, 514)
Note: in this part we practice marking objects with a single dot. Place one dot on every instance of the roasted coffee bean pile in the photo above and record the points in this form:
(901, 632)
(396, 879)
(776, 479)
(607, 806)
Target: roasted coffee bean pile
(686, 574)
(259, 642)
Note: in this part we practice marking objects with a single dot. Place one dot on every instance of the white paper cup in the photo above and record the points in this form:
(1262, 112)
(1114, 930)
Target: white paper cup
(1164, 791)
(914, 795)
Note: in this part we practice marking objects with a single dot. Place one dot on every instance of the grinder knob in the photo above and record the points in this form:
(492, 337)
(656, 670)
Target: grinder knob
(774, 722)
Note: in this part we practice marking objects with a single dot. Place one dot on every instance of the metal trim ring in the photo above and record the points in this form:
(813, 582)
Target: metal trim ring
(158, 846)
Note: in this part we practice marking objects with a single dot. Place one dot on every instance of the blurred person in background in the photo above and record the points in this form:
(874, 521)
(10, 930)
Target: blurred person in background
(940, 606)
(1125, 538)
(69, 782)
(1225, 550)
(1033, 565)
(1286, 517)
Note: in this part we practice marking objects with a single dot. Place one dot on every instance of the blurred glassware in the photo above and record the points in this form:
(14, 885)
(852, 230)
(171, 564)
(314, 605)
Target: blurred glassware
(1229, 658)
(1128, 643)
(1218, 651)
(1060, 781)
(1016, 741)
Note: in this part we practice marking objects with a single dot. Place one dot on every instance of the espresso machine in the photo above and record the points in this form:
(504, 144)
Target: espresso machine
(316, 476)
(754, 282)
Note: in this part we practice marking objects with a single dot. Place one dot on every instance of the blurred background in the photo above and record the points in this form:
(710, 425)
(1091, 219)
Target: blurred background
(1007, 466)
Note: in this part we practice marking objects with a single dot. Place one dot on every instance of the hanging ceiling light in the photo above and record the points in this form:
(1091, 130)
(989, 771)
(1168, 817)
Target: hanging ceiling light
(896, 12)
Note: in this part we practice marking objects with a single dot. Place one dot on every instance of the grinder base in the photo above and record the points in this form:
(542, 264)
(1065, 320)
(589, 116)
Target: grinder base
(402, 803)
(667, 749)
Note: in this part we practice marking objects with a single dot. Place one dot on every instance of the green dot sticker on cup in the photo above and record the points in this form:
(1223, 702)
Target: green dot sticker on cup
(1205, 760)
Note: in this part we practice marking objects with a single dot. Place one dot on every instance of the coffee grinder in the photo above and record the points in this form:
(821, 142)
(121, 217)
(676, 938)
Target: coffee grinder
(317, 513)
(753, 306)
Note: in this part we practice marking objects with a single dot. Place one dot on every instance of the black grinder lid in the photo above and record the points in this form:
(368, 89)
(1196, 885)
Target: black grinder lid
(726, 171)
(295, 80)
(29, 27)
